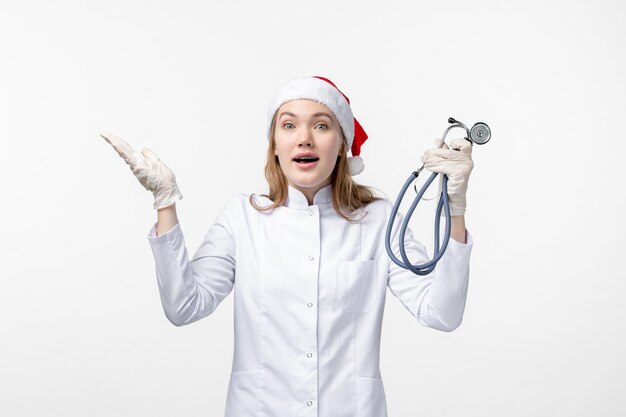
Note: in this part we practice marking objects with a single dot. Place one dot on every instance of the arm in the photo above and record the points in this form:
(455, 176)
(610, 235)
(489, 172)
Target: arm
(166, 219)
(436, 300)
(191, 290)
(457, 229)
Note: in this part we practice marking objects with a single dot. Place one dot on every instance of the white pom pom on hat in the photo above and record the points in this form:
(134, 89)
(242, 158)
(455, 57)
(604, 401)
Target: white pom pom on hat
(323, 91)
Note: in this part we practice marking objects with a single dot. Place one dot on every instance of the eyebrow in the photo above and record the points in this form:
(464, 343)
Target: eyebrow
(318, 114)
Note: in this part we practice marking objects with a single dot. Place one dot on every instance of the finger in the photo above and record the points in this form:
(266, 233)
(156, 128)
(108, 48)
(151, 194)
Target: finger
(121, 147)
(442, 153)
(440, 143)
(442, 166)
(434, 161)
(461, 144)
(451, 154)
(149, 153)
(447, 166)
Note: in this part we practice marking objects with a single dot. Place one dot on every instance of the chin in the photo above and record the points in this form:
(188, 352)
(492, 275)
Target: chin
(308, 180)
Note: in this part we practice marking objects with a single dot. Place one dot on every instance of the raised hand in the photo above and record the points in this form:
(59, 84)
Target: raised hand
(151, 172)
(457, 164)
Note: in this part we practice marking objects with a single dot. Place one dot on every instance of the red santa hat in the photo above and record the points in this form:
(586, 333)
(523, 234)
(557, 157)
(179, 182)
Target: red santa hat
(323, 91)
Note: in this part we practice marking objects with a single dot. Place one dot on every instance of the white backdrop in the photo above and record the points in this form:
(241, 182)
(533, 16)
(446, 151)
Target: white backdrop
(83, 332)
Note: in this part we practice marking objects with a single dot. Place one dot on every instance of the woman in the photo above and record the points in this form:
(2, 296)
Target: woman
(307, 262)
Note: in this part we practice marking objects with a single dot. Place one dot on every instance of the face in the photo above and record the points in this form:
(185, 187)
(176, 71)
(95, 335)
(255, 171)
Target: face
(306, 126)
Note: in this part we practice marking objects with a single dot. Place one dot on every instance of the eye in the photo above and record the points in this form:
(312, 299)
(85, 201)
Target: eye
(323, 124)
(285, 124)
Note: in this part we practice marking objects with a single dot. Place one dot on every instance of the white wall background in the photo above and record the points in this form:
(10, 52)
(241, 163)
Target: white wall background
(83, 332)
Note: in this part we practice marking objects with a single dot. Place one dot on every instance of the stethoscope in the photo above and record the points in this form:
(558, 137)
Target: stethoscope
(480, 134)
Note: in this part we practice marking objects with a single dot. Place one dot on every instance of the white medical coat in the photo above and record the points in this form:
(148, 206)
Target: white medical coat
(309, 295)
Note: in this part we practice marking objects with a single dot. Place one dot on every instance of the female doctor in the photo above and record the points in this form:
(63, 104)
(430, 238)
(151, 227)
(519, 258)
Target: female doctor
(307, 262)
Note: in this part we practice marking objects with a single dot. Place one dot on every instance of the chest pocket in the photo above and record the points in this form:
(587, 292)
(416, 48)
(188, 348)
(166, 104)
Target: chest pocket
(356, 285)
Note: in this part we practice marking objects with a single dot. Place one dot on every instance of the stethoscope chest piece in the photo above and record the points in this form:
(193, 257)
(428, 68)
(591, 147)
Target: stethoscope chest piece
(480, 133)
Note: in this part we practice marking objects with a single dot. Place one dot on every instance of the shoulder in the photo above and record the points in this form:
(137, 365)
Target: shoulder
(233, 213)
(382, 206)
(376, 213)
(239, 205)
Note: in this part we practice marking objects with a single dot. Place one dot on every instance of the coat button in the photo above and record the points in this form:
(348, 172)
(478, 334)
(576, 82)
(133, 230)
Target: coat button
(310, 212)
(309, 403)
(311, 258)
(309, 304)
(308, 355)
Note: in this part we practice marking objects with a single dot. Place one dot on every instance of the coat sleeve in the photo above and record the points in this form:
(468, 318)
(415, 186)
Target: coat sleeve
(436, 300)
(191, 290)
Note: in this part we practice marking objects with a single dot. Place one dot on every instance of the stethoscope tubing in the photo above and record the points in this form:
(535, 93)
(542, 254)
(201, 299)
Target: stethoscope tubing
(428, 267)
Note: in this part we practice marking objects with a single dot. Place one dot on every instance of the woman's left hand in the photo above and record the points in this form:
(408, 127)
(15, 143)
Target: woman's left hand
(457, 164)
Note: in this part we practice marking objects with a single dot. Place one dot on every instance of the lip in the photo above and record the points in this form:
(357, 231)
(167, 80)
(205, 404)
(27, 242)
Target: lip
(306, 165)
(301, 154)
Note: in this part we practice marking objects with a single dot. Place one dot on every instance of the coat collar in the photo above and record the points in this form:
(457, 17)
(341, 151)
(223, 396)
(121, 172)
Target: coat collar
(297, 199)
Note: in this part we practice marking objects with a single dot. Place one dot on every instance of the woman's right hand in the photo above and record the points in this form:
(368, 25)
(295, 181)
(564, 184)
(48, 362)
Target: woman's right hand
(456, 162)
(151, 172)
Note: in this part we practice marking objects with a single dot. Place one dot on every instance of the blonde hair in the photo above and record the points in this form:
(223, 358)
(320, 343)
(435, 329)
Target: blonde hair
(348, 196)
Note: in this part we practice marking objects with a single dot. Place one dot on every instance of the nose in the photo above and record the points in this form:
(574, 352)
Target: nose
(306, 138)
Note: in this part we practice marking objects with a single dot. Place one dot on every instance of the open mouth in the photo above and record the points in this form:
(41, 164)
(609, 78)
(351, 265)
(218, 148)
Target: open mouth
(306, 159)
(306, 162)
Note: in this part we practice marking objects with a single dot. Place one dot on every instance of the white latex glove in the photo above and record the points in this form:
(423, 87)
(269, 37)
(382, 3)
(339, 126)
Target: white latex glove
(457, 164)
(151, 172)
